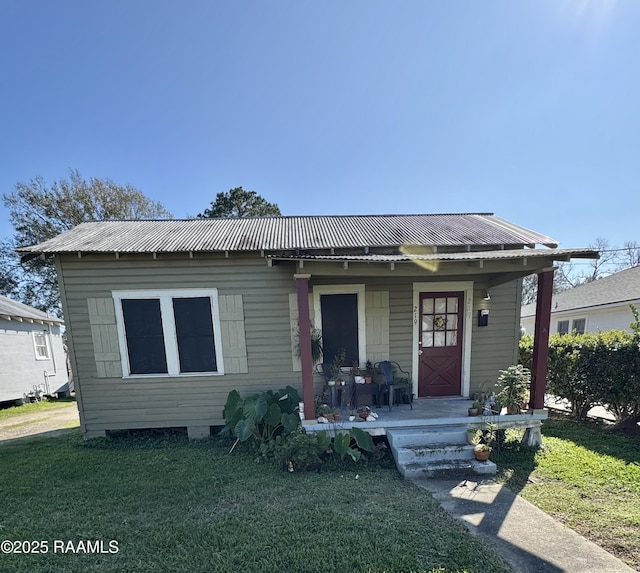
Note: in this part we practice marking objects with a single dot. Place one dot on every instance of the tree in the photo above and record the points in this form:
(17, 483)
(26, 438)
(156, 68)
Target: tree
(39, 212)
(628, 256)
(240, 203)
(568, 276)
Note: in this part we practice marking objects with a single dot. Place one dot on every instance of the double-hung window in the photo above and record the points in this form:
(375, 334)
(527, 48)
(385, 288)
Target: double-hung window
(169, 332)
(41, 345)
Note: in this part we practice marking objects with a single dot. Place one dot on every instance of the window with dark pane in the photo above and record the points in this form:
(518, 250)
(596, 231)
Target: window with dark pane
(340, 326)
(579, 325)
(194, 331)
(145, 338)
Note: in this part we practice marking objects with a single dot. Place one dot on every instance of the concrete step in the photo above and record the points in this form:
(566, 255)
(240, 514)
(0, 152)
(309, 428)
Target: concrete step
(452, 469)
(436, 452)
(430, 435)
(433, 453)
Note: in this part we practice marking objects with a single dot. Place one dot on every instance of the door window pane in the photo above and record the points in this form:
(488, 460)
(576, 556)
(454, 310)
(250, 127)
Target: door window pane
(427, 323)
(427, 306)
(438, 339)
(194, 333)
(441, 305)
(452, 304)
(145, 337)
(427, 339)
(452, 338)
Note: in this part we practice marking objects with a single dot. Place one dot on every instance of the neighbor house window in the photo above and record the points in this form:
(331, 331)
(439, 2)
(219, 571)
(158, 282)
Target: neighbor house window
(41, 345)
(169, 332)
(563, 327)
(578, 325)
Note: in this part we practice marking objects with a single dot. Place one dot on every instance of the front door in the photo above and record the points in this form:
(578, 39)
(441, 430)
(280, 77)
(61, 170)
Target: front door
(440, 344)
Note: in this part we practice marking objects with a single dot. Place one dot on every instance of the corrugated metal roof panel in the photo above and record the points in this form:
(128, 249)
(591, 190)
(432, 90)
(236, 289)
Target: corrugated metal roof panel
(287, 233)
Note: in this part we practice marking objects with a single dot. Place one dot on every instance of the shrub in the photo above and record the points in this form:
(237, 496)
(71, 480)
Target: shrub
(593, 369)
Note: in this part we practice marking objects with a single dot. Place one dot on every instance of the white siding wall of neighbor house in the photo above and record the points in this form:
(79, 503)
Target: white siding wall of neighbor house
(264, 304)
(20, 369)
(608, 317)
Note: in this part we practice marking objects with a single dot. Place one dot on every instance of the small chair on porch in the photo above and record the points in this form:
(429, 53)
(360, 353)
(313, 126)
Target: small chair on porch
(386, 368)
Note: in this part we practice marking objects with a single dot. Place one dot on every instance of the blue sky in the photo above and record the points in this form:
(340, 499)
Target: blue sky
(527, 109)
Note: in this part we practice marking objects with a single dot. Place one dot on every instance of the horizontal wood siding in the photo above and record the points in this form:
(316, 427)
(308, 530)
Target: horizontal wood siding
(494, 347)
(266, 295)
(115, 403)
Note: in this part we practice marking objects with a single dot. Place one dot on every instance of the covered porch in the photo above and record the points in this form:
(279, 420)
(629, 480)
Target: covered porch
(482, 350)
(428, 413)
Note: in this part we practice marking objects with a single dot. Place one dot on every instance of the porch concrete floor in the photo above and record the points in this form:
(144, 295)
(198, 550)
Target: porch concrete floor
(426, 412)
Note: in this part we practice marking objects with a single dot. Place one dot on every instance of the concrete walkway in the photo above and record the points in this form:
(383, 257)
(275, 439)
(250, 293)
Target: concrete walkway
(527, 538)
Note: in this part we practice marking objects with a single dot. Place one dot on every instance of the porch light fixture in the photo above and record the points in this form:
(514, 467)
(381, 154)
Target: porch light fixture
(486, 295)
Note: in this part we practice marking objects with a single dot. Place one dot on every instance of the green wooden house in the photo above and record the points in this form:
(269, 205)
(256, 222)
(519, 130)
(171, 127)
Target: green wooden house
(164, 318)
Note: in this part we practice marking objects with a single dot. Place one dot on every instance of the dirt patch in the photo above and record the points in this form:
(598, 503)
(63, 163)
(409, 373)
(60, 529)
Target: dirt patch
(48, 422)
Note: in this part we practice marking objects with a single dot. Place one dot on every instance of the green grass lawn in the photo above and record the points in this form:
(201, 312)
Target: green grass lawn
(34, 407)
(586, 477)
(172, 506)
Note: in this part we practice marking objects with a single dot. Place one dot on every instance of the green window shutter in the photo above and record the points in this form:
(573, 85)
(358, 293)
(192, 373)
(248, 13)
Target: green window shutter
(104, 334)
(234, 346)
(293, 319)
(377, 329)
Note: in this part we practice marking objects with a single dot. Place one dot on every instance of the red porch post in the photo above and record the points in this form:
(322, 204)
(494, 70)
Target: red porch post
(541, 340)
(304, 329)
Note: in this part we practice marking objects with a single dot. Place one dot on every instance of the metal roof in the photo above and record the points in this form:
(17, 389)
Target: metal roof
(623, 286)
(13, 310)
(291, 233)
(556, 254)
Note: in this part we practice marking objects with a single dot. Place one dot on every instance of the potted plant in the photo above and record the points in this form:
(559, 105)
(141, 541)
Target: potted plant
(369, 372)
(336, 414)
(515, 382)
(323, 410)
(336, 365)
(476, 408)
(482, 442)
(355, 373)
(316, 345)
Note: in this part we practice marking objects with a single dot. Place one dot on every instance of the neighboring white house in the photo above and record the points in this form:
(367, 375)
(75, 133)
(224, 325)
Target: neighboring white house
(32, 357)
(592, 307)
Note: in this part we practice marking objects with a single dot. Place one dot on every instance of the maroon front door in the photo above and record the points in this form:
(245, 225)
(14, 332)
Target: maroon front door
(440, 344)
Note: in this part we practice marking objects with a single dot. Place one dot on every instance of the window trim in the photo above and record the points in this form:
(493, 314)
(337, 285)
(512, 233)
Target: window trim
(563, 332)
(166, 296)
(47, 344)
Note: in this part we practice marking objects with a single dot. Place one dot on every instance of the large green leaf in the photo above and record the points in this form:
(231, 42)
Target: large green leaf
(232, 412)
(273, 415)
(288, 399)
(363, 439)
(262, 405)
(249, 407)
(355, 454)
(290, 422)
(341, 444)
(323, 439)
(244, 430)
